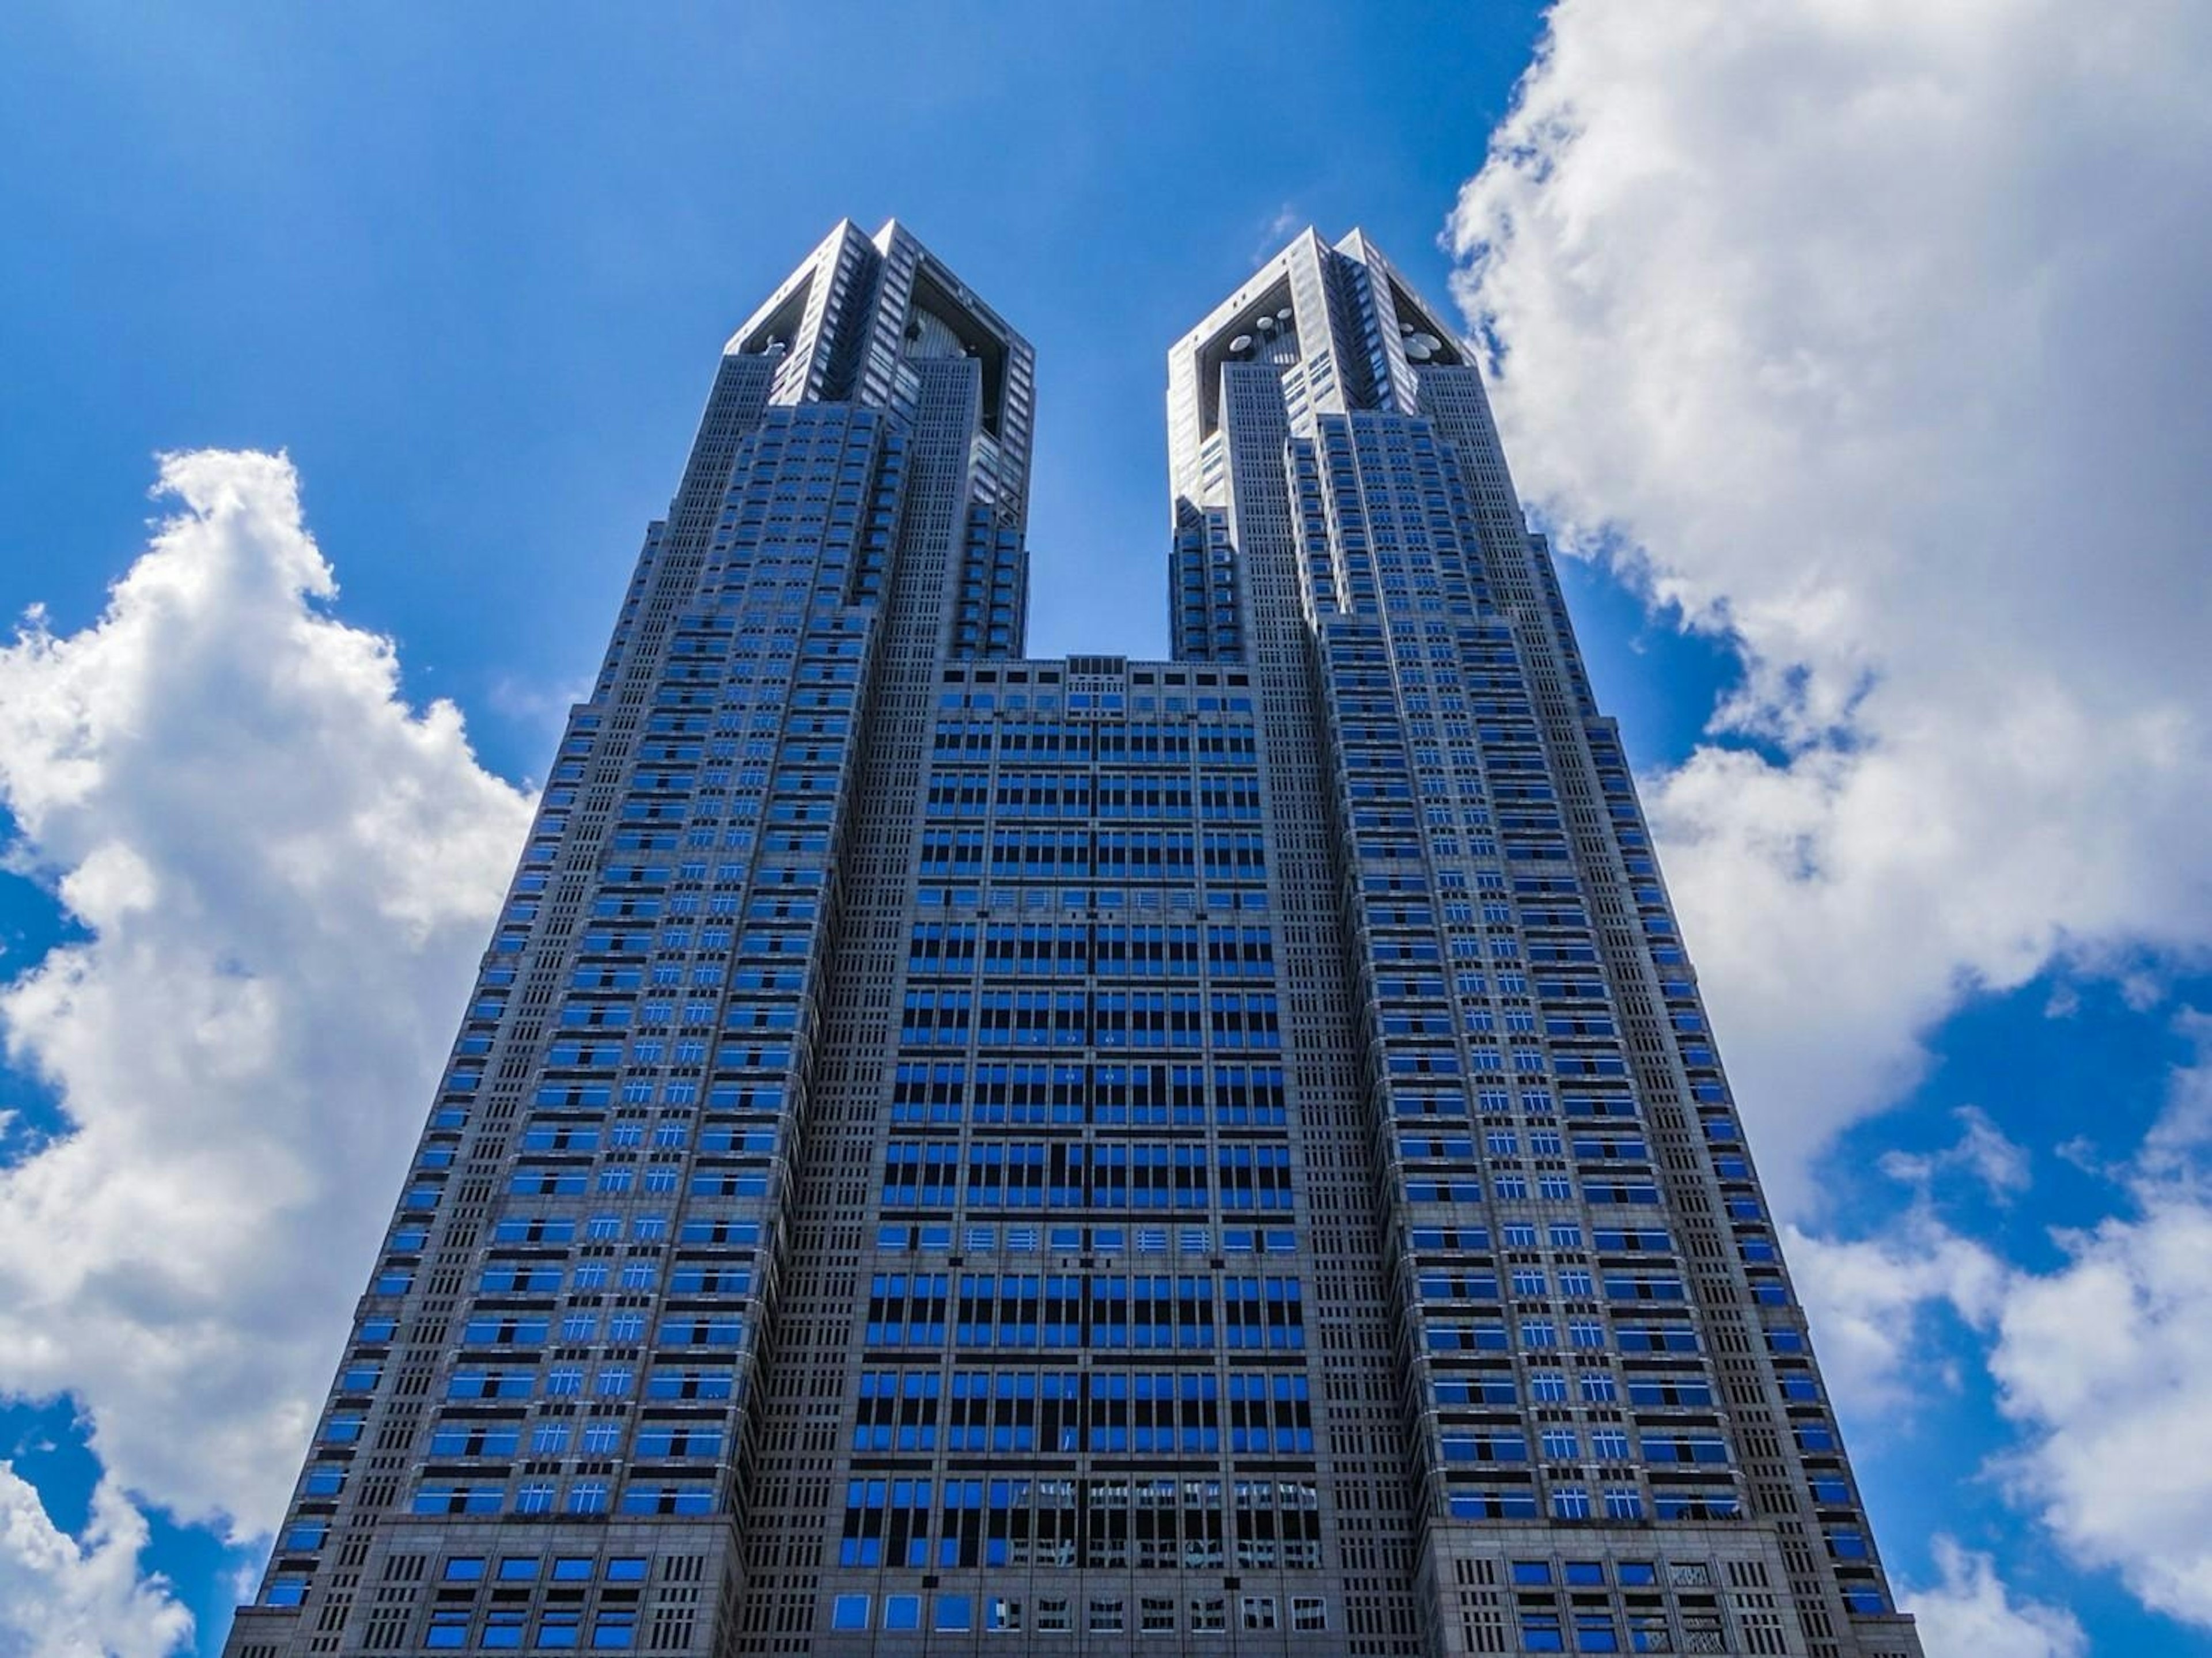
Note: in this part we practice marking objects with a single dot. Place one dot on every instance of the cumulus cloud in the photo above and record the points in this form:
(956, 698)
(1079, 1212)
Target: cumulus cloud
(2109, 1369)
(1969, 1614)
(2106, 1366)
(1982, 1151)
(282, 874)
(1869, 1301)
(541, 705)
(1868, 332)
(2180, 1140)
(65, 1597)
(2103, 1364)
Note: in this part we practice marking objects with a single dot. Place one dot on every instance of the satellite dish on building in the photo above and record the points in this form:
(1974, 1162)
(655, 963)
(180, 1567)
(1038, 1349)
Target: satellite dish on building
(1241, 344)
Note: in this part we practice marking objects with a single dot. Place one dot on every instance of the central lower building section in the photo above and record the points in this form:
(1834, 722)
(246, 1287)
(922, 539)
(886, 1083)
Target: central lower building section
(1081, 1368)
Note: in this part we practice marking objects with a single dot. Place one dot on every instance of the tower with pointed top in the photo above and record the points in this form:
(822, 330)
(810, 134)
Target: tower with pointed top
(955, 1152)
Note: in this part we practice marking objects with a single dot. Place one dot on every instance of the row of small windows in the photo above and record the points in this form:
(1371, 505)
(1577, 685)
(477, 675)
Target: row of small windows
(1094, 1524)
(1175, 898)
(522, 1377)
(1229, 1094)
(1565, 1444)
(667, 1134)
(655, 1442)
(1070, 1174)
(753, 1096)
(1571, 1500)
(535, 1230)
(1105, 1614)
(1449, 1335)
(1101, 1018)
(1114, 703)
(1074, 950)
(614, 1626)
(569, 1181)
(539, 1277)
(940, 1237)
(487, 1491)
(1108, 742)
(1574, 1284)
(1454, 1389)
(1523, 1235)
(1087, 799)
(675, 1328)
(1464, 1186)
(504, 1327)
(1144, 1413)
(1188, 1311)
(1587, 1146)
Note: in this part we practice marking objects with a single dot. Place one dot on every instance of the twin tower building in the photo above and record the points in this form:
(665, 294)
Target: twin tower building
(955, 1153)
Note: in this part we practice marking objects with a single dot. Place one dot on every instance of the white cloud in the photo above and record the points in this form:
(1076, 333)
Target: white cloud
(545, 706)
(1982, 1150)
(1875, 326)
(64, 1597)
(1969, 1614)
(1281, 226)
(1869, 1302)
(2183, 1132)
(286, 875)
(2106, 1366)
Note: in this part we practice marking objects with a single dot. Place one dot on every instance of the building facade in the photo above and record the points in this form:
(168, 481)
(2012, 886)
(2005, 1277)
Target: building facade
(952, 1152)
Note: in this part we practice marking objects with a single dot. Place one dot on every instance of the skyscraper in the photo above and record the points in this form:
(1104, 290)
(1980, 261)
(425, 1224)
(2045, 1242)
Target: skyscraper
(950, 1151)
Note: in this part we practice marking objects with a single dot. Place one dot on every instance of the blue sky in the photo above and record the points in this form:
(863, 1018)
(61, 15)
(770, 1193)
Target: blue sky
(473, 276)
(1876, 493)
